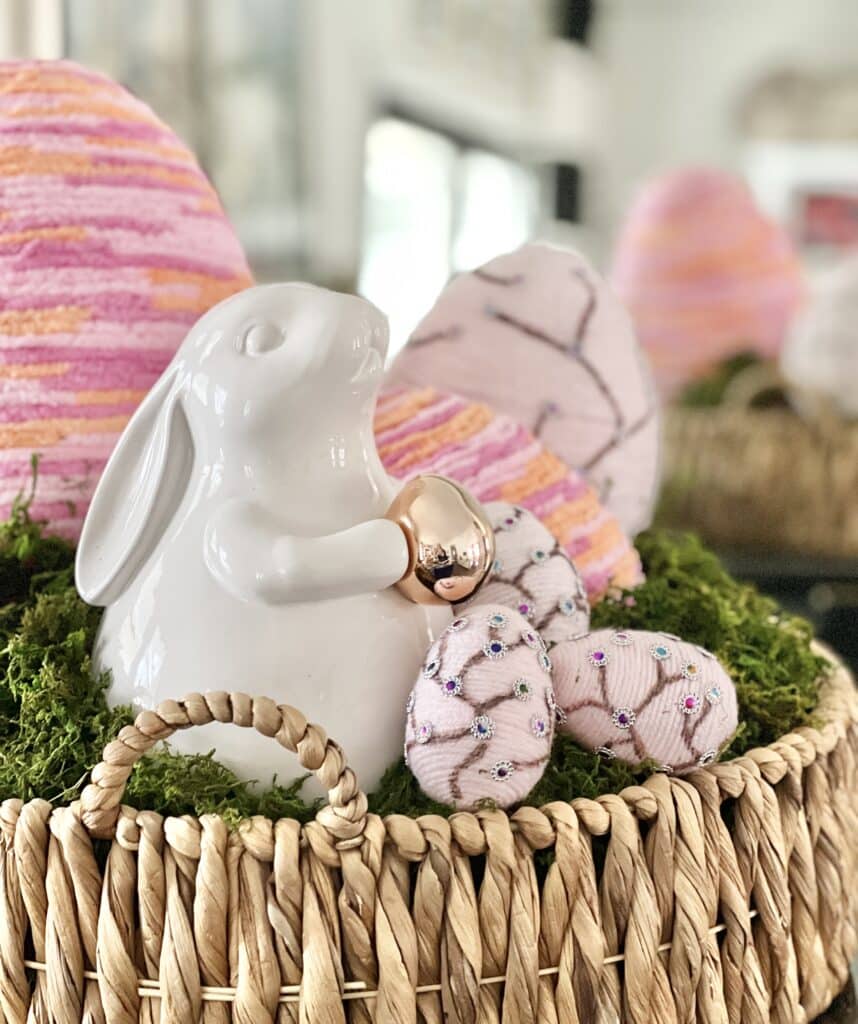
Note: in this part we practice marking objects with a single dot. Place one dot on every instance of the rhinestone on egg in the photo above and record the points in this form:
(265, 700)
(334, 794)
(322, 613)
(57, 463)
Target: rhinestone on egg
(532, 639)
(621, 638)
(539, 555)
(507, 523)
(659, 652)
(431, 668)
(497, 621)
(623, 718)
(707, 758)
(560, 715)
(689, 704)
(482, 728)
(494, 649)
(424, 732)
(567, 606)
(457, 624)
(452, 687)
(544, 661)
(605, 752)
(409, 704)
(598, 658)
(522, 689)
(539, 727)
(525, 609)
(713, 695)
(690, 670)
(497, 566)
(501, 771)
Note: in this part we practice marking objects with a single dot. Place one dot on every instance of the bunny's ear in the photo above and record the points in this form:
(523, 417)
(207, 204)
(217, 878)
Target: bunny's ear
(141, 488)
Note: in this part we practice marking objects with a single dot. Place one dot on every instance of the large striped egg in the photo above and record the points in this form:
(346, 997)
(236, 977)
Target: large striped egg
(497, 459)
(112, 243)
(705, 273)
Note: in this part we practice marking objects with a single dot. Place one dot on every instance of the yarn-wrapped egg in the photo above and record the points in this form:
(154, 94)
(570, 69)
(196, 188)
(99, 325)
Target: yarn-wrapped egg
(819, 360)
(705, 274)
(112, 243)
(534, 575)
(497, 459)
(538, 336)
(480, 719)
(643, 696)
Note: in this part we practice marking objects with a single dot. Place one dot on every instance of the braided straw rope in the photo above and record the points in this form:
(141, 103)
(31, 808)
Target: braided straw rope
(723, 897)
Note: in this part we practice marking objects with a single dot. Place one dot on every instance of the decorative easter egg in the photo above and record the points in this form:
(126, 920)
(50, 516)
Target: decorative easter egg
(534, 575)
(451, 543)
(112, 243)
(538, 336)
(643, 696)
(480, 719)
(705, 274)
(819, 360)
(498, 459)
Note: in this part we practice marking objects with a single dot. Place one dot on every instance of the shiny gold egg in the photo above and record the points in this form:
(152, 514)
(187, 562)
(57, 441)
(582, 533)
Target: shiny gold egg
(451, 544)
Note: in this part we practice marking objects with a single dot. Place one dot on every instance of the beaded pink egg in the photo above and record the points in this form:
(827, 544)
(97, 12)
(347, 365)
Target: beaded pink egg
(480, 719)
(643, 696)
(112, 243)
(538, 335)
(534, 575)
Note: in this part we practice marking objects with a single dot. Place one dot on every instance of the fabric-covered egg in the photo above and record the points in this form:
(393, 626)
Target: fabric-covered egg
(480, 719)
(643, 696)
(497, 459)
(534, 575)
(705, 274)
(819, 360)
(539, 336)
(112, 243)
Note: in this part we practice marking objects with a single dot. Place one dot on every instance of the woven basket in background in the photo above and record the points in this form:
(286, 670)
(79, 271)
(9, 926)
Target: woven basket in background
(764, 478)
(729, 895)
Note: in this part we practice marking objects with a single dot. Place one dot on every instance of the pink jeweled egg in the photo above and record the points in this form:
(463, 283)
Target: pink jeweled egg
(643, 696)
(480, 719)
(532, 574)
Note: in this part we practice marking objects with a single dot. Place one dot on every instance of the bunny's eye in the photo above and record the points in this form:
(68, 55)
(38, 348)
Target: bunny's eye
(261, 338)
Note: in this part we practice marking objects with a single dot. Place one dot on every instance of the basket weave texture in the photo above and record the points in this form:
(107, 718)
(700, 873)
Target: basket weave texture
(726, 896)
(745, 477)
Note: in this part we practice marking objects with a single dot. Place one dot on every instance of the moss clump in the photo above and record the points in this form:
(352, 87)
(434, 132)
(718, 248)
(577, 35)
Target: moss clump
(710, 390)
(54, 718)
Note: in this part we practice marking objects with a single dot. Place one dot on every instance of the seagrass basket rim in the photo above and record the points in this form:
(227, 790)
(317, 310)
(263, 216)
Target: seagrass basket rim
(346, 814)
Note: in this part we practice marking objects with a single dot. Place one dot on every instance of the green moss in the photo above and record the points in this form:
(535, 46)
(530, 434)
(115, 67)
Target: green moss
(54, 719)
(710, 390)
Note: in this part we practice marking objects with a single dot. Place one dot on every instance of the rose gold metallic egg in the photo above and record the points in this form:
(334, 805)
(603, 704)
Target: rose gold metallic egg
(451, 544)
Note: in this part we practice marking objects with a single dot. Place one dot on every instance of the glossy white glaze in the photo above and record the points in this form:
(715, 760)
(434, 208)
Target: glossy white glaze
(236, 536)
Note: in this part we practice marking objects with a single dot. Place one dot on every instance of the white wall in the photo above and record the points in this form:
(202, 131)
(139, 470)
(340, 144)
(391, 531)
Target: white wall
(676, 71)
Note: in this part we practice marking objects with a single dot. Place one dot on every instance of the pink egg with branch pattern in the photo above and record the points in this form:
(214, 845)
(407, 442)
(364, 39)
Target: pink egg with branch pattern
(541, 338)
(644, 696)
(533, 575)
(480, 719)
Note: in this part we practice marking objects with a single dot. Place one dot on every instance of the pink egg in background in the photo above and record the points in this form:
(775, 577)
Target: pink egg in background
(538, 336)
(705, 274)
(112, 243)
(644, 696)
(480, 719)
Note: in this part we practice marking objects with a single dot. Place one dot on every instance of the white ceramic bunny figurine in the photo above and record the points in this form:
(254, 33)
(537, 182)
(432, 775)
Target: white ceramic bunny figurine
(236, 536)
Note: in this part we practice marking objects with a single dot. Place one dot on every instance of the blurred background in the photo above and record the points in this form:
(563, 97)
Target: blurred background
(382, 146)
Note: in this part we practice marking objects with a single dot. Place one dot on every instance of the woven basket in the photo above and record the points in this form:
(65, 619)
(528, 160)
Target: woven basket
(763, 478)
(727, 896)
